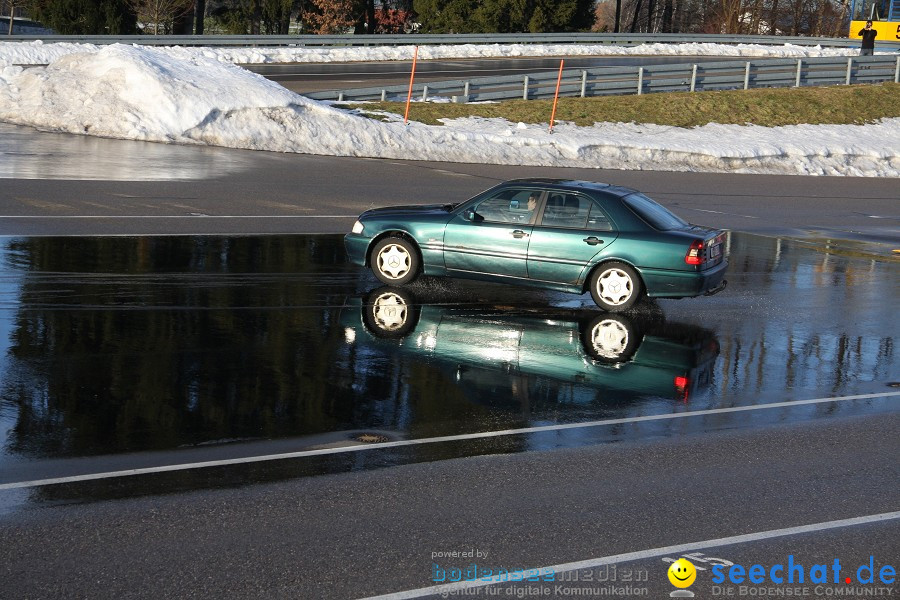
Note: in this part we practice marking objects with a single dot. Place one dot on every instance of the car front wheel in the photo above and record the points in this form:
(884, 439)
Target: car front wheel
(390, 312)
(615, 286)
(610, 339)
(395, 261)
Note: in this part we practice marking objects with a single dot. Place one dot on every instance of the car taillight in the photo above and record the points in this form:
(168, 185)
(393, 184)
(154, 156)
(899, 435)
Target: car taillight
(695, 254)
(681, 387)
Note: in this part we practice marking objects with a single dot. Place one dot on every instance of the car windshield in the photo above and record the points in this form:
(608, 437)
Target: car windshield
(657, 215)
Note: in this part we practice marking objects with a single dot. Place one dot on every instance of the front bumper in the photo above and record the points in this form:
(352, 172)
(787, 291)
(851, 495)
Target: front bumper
(357, 246)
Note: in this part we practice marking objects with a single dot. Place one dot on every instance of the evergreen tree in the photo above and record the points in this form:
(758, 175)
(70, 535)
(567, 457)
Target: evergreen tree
(565, 15)
(255, 17)
(503, 16)
(538, 22)
(86, 17)
(276, 16)
(445, 16)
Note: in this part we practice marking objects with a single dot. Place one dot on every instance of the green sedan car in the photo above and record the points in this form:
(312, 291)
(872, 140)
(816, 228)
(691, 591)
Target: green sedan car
(571, 236)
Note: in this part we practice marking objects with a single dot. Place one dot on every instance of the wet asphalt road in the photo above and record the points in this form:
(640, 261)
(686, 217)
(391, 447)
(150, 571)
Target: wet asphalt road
(209, 352)
(358, 534)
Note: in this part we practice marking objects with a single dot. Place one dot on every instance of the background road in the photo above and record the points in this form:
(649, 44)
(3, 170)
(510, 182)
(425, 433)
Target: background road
(64, 184)
(315, 77)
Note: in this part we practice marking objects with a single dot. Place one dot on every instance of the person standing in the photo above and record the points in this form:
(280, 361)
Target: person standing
(868, 40)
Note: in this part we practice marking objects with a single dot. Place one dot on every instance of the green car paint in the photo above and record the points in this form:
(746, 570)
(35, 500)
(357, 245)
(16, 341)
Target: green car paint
(548, 233)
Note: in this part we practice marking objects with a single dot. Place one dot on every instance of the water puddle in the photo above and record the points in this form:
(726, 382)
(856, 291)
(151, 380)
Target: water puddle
(118, 353)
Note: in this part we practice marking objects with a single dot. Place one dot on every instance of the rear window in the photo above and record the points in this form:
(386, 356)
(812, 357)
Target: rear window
(656, 214)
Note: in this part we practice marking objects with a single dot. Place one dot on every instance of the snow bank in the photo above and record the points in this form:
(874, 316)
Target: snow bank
(40, 53)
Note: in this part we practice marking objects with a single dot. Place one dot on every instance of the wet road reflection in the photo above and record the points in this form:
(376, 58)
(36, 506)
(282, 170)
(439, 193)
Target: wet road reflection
(120, 353)
(27, 155)
(512, 352)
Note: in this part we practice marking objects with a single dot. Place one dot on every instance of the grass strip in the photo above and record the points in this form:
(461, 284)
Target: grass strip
(839, 105)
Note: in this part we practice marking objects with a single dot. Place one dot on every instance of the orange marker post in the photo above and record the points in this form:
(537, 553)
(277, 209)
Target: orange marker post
(556, 95)
(412, 76)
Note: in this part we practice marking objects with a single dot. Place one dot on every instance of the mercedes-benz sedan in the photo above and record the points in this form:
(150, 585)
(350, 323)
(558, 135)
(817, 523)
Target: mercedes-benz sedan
(572, 236)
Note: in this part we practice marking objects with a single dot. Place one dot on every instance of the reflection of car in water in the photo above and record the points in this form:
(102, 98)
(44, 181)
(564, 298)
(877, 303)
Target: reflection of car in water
(644, 356)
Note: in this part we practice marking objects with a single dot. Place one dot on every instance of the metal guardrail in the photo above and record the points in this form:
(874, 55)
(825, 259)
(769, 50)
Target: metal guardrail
(730, 75)
(619, 39)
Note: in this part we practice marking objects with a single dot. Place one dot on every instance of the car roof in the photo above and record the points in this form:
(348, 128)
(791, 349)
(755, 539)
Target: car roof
(572, 184)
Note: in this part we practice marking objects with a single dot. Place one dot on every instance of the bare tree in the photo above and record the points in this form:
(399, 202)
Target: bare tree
(668, 13)
(798, 11)
(605, 15)
(772, 17)
(755, 9)
(330, 16)
(160, 14)
(732, 10)
(828, 19)
(637, 14)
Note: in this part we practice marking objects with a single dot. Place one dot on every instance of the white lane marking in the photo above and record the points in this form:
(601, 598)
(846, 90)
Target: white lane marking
(190, 216)
(645, 554)
(433, 440)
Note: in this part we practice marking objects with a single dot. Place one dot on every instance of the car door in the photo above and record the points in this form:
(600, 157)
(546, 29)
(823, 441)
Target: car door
(571, 231)
(492, 236)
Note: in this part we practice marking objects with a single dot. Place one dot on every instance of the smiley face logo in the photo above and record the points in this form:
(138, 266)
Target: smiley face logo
(682, 573)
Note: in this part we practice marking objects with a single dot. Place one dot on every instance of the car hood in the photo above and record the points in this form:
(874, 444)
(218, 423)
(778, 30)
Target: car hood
(412, 209)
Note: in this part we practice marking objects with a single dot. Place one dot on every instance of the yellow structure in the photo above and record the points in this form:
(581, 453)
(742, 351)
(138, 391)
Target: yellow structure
(888, 31)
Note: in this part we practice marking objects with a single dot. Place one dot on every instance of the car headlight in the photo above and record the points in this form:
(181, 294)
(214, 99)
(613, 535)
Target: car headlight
(357, 228)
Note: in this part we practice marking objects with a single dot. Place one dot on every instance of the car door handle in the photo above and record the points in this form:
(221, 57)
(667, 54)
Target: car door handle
(518, 234)
(593, 241)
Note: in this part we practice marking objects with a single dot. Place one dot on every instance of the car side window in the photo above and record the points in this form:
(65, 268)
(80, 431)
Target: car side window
(509, 206)
(568, 210)
(597, 220)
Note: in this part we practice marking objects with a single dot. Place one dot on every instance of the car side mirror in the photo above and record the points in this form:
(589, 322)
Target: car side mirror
(471, 215)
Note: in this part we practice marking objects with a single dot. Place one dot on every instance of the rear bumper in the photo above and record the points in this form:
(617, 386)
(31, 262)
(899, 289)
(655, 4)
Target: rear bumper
(685, 284)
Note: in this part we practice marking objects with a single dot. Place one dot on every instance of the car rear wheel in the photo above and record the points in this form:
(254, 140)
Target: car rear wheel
(616, 286)
(395, 261)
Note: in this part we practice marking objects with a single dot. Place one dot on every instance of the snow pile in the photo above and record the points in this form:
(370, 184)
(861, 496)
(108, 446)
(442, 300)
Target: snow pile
(40, 53)
(146, 93)
(131, 92)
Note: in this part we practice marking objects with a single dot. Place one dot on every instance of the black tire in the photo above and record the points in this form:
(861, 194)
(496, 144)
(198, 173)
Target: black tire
(390, 312)
(615, 286)
(610, 338)
(395, 261)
